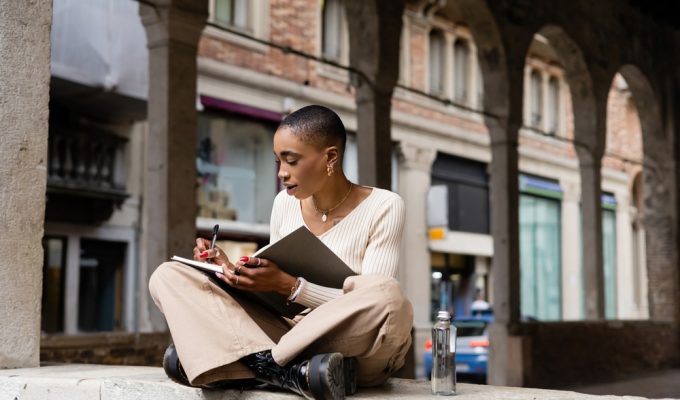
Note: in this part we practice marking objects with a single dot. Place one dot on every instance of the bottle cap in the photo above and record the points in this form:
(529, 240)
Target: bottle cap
(443, 315)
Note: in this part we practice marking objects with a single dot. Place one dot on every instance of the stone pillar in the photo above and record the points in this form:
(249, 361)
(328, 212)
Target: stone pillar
(173, 29)
(415, 171)
(374, 32)
(506, 355)
(572, 288)
(24, 108)
(591, 211)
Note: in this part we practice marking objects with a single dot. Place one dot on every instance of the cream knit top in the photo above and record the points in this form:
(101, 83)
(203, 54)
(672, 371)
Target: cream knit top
(367, 239)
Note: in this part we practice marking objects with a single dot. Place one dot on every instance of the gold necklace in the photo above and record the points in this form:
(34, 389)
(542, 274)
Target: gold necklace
(324, 213)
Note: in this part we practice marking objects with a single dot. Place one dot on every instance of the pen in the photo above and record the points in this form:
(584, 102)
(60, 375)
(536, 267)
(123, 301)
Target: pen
(216, 228)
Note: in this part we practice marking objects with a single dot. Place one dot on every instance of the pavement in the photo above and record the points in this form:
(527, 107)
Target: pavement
(81, 382)
(653, 385)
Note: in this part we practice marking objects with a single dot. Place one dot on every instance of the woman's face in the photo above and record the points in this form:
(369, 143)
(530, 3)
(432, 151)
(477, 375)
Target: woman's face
(302, 166)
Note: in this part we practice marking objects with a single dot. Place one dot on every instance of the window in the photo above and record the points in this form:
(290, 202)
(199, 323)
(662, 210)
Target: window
(236, 167)
(332, 31)
(231, 12)
(553, 105)
(461, 72)
(536, 99)
(436, 60)
(468, 192)
(540, 248)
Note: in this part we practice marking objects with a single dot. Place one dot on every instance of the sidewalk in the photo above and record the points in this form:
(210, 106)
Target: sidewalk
(658, 384)
(87, 382)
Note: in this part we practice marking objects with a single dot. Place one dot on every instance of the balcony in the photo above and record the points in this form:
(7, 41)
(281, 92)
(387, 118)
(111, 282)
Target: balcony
(86, 175)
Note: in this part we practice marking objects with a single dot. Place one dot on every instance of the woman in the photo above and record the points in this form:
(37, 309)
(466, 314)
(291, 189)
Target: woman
(355, 335)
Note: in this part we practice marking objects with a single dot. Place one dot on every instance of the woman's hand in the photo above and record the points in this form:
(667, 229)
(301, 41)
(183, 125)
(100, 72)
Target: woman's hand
(257, 275)
(203, 252)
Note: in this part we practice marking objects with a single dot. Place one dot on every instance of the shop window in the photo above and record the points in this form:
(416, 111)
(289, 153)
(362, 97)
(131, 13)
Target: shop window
(540, 248)
(236, 167)
(436, 62)
(461, 72)
(468, 192)
(54, 274)
(452, 284)
(100, 296)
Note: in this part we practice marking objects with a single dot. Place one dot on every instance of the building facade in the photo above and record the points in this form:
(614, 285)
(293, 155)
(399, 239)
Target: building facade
(248, 81)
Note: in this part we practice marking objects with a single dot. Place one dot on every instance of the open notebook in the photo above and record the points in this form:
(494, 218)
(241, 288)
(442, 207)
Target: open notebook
(300, 253)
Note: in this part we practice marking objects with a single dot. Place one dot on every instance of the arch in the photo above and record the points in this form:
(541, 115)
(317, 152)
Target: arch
(491, 57)
(583, 100)
(657, 192)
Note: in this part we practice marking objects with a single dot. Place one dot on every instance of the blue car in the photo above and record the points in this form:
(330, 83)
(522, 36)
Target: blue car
(472, 344)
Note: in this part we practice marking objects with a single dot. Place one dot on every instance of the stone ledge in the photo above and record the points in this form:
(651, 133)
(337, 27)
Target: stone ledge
(99, 382)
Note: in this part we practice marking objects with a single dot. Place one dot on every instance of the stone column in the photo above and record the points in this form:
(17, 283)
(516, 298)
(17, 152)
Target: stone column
(173, 29)
(591, 211)
(415, 171)
(572, 288)
(374, 32)
(506, 355)
(24, 99)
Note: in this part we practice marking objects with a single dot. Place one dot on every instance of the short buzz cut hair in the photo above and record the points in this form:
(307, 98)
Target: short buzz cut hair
(317, 125)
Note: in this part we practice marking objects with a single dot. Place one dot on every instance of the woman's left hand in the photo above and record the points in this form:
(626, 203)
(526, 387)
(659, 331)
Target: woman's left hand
(258, 275)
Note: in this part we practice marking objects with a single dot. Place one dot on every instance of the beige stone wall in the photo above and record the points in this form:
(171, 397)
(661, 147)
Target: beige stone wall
(24, 96)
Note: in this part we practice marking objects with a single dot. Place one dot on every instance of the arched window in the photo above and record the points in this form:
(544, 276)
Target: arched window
(461, 72)
(553, 105)
(331, 41)
(536, 93)
(436, 62)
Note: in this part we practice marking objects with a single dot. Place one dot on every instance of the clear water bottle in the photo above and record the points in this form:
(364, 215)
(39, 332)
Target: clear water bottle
(443, 356)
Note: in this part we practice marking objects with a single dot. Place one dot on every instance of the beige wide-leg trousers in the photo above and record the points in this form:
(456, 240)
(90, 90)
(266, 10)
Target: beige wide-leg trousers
(213, 329)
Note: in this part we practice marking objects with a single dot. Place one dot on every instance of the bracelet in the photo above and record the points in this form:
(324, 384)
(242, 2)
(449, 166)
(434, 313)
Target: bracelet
(294, 291)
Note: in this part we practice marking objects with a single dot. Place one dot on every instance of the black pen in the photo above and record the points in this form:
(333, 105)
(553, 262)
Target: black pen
(216, 228)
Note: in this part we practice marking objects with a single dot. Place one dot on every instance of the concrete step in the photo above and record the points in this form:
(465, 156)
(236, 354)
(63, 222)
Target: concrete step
(100, 382)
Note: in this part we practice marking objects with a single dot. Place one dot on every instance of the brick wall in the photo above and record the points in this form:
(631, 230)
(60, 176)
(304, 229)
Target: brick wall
(296, 23)
(105, 348)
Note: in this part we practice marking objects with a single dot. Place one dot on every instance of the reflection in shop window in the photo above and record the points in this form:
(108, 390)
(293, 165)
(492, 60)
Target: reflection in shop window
(236, 168)
(452, 284)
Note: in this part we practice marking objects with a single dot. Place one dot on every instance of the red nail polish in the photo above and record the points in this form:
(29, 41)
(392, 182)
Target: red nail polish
(244, 259)
(204, 254)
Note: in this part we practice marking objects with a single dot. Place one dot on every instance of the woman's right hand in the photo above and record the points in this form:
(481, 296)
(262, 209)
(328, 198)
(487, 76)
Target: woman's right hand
(203, 252)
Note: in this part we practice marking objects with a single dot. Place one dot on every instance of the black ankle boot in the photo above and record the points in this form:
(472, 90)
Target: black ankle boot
(323, 377)
(173, 369)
